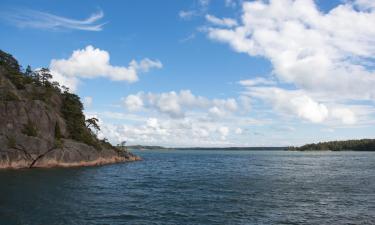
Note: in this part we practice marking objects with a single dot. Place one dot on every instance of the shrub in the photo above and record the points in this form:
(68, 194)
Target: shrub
(11, 142)
(12, 69)
(75, 120)
(8, 96)
(29, 129)
(58, 134)
(59, 143)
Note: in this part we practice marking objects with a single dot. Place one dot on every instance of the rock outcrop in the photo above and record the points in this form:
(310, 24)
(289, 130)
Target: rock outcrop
(34, 131)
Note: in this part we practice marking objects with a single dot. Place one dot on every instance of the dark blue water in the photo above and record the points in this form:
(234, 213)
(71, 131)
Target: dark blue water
(198, 187)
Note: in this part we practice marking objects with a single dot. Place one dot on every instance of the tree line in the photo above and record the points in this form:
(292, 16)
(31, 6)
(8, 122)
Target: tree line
(349, 145)
(41, 87)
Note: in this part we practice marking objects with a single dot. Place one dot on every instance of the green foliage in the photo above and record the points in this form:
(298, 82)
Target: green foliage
(59, 143)
(351, 145)
(75, 120)
(8, 96)
(42, 93)
(104, 142)
(44, 75)
(92, 123)
(42, 89)
(58, 134)
(30, 129)
(13, 70)
(29, 72)
(11, 142)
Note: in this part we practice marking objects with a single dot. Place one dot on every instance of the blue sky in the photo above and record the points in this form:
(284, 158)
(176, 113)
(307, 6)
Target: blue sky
(207, 73)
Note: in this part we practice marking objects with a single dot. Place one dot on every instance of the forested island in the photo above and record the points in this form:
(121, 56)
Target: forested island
(152, 147)
(349, 145)
(42, 123)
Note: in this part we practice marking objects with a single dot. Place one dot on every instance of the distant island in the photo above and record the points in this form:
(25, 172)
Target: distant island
(42, 123)
(349, 145)
(153, 147)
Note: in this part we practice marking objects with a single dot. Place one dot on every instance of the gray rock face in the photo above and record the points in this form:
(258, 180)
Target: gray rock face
(27, 133)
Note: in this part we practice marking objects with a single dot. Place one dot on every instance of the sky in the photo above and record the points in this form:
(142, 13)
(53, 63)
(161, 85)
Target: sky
(207, 72)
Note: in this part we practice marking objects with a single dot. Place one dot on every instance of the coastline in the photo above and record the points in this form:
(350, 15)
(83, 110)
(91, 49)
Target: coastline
(53, 163)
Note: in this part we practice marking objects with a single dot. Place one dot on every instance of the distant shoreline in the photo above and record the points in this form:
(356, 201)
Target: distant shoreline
(364, 145)
(140, 147)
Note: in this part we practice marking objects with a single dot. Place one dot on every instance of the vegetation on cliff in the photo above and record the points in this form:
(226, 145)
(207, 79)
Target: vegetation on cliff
(349, 145)
(39, 86)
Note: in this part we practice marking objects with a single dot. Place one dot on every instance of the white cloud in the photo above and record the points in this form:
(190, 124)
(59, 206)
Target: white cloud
(93, 62)
(70, 82)
(347, 116)
(327, 57)
(225, 22)
(199, 9)
(187, 14)
(238, 131)
(87, 101)
(146, 64)
(296, 37)
(294, 102)
(256, 81)
(300, 104)
(167, 132)
(224, 131)
(176, 104)
(365, 4)
(133, 102)
(43, 20)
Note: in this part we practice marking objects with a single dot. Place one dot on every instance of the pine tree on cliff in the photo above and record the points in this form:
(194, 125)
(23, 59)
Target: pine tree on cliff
(29, 72)
(44, 75)
(93, 123)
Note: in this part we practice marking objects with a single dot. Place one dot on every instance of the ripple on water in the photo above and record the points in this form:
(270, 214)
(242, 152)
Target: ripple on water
(198, 187)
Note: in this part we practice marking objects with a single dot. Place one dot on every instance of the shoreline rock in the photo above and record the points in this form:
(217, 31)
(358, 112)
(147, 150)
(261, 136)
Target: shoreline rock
(56, 164)
(73, 154)
(42, 124)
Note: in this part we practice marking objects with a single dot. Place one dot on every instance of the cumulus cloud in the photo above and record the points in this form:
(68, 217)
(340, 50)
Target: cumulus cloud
(133, 103)
(300, 104)
(224, 131)
(295, 36)
(43, 20)
(175, 104)
(365, 4)
(87, 101)
(256, 81)
(225, 22)
(92, 62)
(168, 132)
(326, 56)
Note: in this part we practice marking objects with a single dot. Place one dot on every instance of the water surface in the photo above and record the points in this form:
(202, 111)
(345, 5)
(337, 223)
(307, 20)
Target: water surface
(198, 187)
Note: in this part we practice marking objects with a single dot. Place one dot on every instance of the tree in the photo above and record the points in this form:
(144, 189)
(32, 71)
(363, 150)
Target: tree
(44, 76)
(93, 123)
(123, 146)
(56, 86)
(29, 72)
(65, 89)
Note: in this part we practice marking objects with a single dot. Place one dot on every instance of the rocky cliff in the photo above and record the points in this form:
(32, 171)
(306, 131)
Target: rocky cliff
(43, 126)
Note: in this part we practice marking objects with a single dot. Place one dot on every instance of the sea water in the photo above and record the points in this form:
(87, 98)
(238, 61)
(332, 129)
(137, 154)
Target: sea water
(198, 187)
